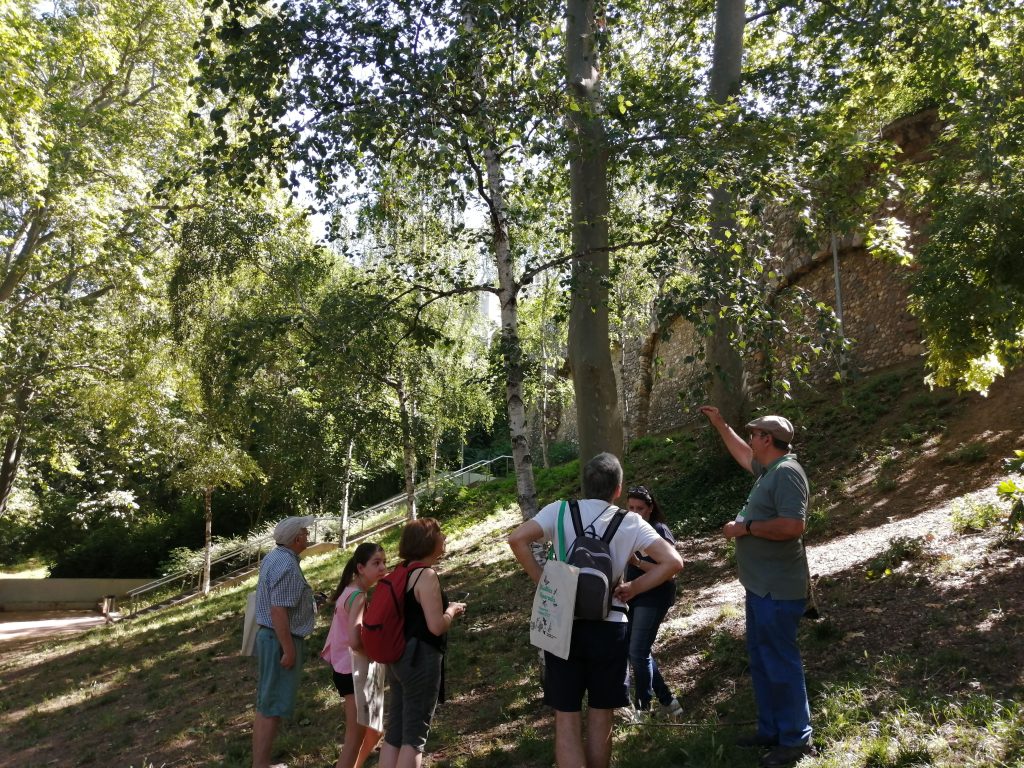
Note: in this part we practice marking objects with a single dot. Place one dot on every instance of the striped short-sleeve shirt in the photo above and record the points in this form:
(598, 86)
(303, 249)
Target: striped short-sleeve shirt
(282, 584)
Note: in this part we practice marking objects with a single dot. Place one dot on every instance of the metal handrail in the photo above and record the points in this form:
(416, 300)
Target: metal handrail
(257, 544)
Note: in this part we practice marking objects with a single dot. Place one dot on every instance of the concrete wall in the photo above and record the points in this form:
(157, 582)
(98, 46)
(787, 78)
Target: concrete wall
(55, 594)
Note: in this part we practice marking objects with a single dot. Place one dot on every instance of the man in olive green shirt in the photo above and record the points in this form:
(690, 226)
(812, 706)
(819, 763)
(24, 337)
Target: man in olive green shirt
(773, 570)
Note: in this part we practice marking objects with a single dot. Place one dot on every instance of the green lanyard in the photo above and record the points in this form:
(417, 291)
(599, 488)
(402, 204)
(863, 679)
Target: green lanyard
(561, 531)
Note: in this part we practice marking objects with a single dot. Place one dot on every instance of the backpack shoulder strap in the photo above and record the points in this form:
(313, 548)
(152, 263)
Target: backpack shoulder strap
(577, 520)
(351, 599)
(613, 526)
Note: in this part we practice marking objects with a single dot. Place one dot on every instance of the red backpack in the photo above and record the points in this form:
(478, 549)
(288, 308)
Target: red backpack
(383, 627)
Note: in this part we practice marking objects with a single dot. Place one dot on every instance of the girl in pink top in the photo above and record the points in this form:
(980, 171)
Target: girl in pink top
(357, 679)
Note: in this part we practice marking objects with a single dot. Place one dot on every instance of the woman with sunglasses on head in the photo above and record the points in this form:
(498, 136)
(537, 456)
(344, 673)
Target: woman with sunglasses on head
(646, 612)
(416, 681)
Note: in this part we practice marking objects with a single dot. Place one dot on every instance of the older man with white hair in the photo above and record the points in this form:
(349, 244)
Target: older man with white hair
(773, 570)
(285, 613)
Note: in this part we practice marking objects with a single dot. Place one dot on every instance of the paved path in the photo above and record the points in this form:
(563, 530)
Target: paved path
(17, 627)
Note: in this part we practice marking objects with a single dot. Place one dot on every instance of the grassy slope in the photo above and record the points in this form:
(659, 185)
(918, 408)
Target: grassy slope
(887, 689)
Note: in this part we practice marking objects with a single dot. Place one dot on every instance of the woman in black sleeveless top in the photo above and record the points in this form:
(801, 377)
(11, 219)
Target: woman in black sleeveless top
(415, 680)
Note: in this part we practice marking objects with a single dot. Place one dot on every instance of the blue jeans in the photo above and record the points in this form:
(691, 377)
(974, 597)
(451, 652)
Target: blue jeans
(783, 711)
(644, 621)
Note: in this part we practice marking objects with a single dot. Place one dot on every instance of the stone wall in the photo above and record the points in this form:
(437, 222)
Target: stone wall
(673, 373)
(62, 594)
(875, 319)
(874, 293)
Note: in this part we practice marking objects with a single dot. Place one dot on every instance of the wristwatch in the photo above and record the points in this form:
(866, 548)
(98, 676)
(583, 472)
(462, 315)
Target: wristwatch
(748, 527)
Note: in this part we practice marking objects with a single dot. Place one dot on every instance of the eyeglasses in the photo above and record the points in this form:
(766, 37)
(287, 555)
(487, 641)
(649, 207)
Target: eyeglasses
(639, 492)
(758, 434)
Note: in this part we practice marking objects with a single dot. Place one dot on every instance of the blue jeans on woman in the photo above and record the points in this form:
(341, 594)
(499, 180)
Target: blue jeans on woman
(644, 621)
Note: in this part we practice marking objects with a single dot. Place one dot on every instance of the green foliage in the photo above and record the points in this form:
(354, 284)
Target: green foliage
(188, 559)
(970, 515)
(888, 468)
(901, 549)
(1012, 492)
(703, 496)
(93, 115)
(117, 549)
(444, 501)
(967, 453)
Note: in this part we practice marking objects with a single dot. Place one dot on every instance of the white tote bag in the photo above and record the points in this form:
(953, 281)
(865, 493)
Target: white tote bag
(368, 683)
(554, 603)
(249, 626)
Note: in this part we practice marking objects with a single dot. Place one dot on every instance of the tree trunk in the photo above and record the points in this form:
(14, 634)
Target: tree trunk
(545, 375)
(16, 265)
(511, 346)
(645, 384)
(346, 493)
(9, 469)
(408, 447)
(15, 445)
(432, 474)
(208, 545)
(729, 389)
(508, 299)
(623, 378)
(597, 405)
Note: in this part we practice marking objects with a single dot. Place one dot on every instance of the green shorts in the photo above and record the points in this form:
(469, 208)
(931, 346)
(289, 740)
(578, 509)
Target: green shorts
(277, 686)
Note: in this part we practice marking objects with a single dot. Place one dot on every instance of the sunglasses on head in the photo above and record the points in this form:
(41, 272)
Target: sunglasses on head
(640, 492)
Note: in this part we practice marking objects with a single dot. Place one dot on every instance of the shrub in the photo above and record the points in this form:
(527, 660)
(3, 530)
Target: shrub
(446, 499)
(1013, 493)
(971, 515)
(966, 453)
(900, 550)
(888, 469)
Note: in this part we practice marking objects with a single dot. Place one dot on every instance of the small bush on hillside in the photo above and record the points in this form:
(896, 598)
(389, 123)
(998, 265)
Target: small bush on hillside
(968, 453)
(443, 500)
(900, 550)
(1013, 493)
(558, 482)
(969, 515)
(708, 494)
(888, 469)
(873, 399)
(645, 443)
(817, 517)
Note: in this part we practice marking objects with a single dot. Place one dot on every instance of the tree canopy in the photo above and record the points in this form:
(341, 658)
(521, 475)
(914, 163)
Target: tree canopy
(170, 323)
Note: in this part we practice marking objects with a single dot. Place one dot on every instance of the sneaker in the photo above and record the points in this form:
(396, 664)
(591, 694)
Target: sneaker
(631, 715)
(782, 757)
(672, 710)
(757, 740)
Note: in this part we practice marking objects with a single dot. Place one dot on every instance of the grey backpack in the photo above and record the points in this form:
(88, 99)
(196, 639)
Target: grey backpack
(592, 555)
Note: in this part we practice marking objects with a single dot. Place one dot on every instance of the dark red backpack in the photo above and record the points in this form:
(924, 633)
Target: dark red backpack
(383, 627)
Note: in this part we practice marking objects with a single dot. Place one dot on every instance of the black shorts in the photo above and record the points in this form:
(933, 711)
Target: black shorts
(343, 682)
(596, 666)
